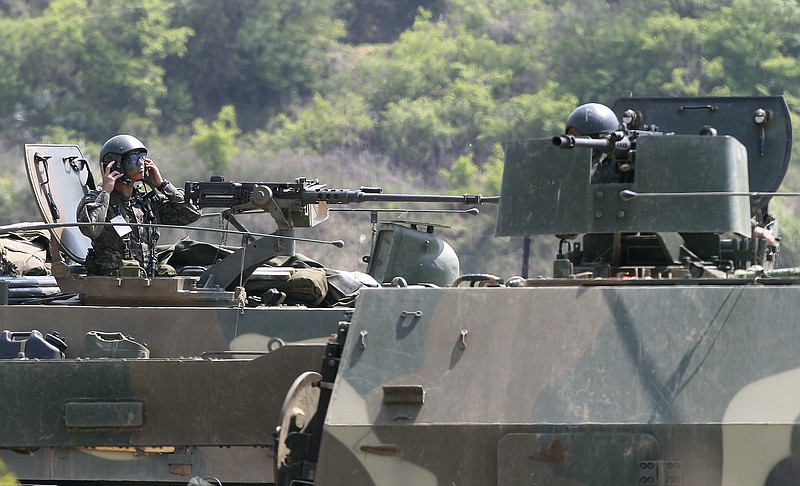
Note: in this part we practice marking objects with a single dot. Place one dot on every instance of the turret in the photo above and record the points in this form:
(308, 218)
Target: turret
(665, 201)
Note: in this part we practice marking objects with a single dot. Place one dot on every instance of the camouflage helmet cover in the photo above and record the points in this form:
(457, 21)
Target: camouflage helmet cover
(591, 119)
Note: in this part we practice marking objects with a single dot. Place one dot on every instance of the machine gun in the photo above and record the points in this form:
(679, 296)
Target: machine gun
(299, 204)
(302, 203)
(619, 146)
(244, 196)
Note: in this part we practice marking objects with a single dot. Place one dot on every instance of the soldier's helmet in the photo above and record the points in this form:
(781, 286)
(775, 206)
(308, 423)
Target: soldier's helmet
(117, 146)
(591, 119)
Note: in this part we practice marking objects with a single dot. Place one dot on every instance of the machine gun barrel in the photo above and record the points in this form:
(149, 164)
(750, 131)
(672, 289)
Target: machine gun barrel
(336, 196)
(229, 194)
(605, 144)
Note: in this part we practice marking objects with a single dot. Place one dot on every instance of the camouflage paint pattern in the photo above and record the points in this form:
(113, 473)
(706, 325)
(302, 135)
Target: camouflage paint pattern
(573, 384)
(191, 407)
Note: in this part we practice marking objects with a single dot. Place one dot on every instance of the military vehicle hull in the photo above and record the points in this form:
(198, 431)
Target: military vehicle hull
(172, 332)
(205, 403)
(595, 383)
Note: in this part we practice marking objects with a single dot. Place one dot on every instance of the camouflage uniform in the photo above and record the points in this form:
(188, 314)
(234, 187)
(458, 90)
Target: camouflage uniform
(109, 249)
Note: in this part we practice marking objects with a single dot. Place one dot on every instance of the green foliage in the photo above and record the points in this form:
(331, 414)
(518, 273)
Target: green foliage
(492, 178)
(529, 115)
(448, 86)
(215, 143)
(14, 193)
(467, 73)
(411, 68)
(7, 478)
(373, 21)
(90, 65)
(56, 134)
(441, 92)
(258, 55)
(462, 175)
(325, 125)
(414, 133)
(724, 48)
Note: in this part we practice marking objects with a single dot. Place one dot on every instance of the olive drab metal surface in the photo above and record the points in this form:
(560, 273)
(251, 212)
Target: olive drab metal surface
(143, 402)
(660, 351)
(551, 191)
(397, 252)
(214, 375)
(762, 124)
(593, 397)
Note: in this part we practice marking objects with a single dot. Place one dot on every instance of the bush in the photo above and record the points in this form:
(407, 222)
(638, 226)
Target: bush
(216, 143)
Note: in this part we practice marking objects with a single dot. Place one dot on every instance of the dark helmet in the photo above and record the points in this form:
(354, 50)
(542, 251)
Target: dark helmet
(591, 119)
(117, 146)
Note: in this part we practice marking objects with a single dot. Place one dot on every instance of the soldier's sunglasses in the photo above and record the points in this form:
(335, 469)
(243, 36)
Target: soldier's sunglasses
(133, 162)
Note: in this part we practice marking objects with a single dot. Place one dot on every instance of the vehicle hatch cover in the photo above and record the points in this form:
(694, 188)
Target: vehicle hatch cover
(60, 176)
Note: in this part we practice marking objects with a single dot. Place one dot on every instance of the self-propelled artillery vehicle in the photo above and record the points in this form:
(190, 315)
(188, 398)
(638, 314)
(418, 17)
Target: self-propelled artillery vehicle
(155, 379)
(661, 350)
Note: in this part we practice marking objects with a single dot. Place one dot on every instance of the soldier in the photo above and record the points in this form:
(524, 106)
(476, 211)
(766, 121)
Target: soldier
(124, 197)
(594, 120)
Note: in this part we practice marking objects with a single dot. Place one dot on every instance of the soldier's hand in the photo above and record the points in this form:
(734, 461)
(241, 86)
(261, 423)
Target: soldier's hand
(152, 174)
(110, 177)
(764, 234)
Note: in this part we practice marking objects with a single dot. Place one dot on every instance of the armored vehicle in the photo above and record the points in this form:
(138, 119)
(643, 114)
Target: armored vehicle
(661, 350)
(150, 379)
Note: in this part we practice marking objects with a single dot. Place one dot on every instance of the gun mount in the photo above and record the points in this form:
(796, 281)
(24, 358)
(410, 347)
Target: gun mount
(692, 196)
(606, 144)
(159, 379)
(299, 204)
(243, 196)
(619, 145)
(302, 203)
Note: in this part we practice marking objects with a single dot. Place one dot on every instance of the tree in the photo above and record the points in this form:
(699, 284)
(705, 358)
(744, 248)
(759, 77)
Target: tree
(257, 55)
(325, 125)
(444, 91)
(724, 48)
(378, 21)
(216, 143)
(754, 48)
(90, 65)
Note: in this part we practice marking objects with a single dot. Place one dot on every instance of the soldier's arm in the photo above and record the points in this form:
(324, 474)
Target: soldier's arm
(172, 193)
(175, 209)
(93, 209)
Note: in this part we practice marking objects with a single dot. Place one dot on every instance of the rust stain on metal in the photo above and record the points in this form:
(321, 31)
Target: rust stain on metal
(180, 469)
(555, 454)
